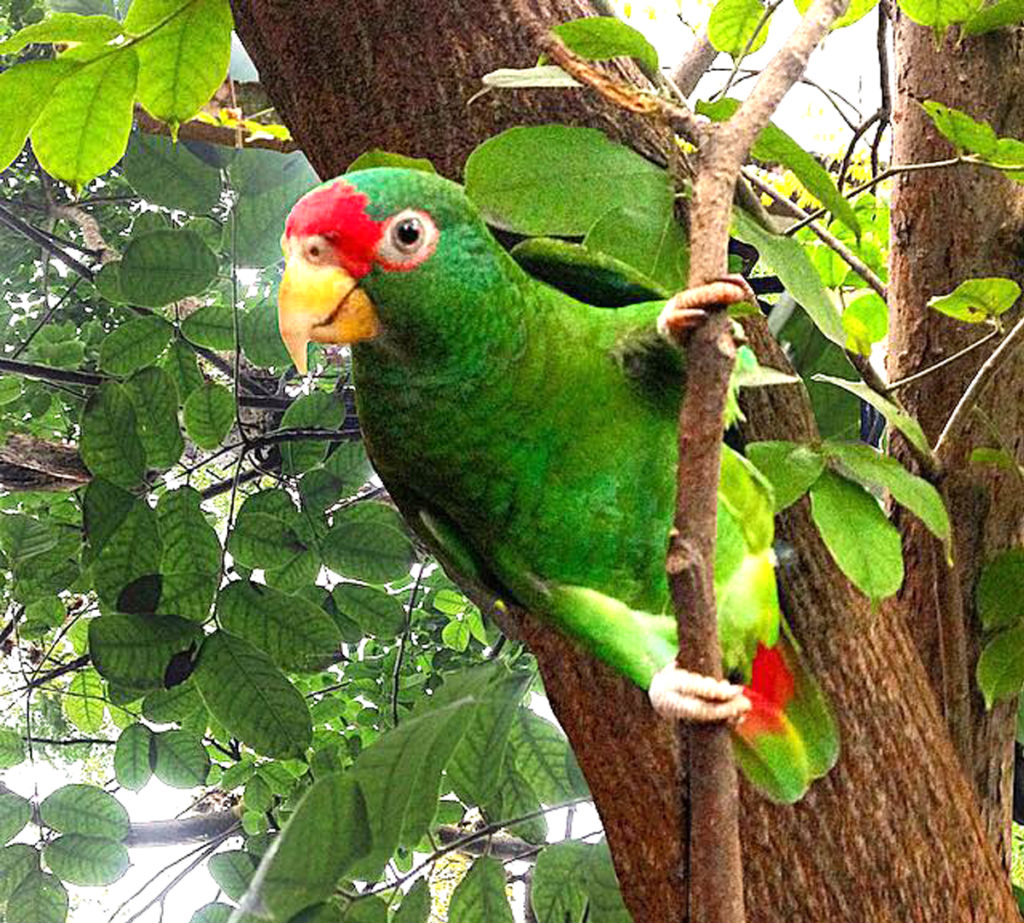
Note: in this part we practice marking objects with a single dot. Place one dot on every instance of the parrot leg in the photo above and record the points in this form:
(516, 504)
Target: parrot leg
(688, 309)
(635, 643)
(684, 696)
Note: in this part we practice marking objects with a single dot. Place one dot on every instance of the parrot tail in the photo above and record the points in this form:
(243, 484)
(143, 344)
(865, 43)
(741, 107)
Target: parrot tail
(789, 737)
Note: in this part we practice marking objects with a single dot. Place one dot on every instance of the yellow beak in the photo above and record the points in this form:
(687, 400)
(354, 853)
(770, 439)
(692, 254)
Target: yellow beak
(321, 304)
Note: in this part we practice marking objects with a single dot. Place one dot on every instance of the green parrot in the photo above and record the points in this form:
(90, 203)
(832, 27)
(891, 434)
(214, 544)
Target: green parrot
(530, 438)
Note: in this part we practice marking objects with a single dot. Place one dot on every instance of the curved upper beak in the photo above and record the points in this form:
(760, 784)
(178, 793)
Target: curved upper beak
(320, 304)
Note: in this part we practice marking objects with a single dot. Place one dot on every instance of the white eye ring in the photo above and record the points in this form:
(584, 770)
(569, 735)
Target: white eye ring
(316, 249)
(409, 238)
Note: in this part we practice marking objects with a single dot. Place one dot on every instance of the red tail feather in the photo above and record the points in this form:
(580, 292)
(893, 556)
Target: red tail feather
(771, 689)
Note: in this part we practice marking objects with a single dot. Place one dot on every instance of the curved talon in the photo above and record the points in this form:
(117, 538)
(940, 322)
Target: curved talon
(684, 696)
(689, 309)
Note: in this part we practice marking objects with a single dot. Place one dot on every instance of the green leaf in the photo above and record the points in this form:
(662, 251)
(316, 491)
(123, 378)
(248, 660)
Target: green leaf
(1001, 666)
(17, 862)
(603, 892)
(232, 870)
(213, 912)
(134, 344)
(558, 179)
(85, 809)
(291, 876)
(162, 266)
(40, 898)
(559, 893)
(12, 748)
(646, 236)
(25, 89)
(940, 13)
(268, 184)
(124, 544)
(63, 27)
(1000, 15)
(212, 326)
(894, 416)
(318, 410)
(857, 10)
(261, 337)
(84, 703)
(400, 773)
(258, 796)
(346, 470)
(375, 157)
(168, 174)
(10, 388)
(134, 650)
(190, 565)
(251, 697)
(599, 38)
(978, 300)
(775, 146)
(22, 537)
(541, 754)
(864, 544)
(15, 812)
(83, 128)
(790, 467)
(109, 444)
(747, 495)
(787, 259)
(155, 400)
(1000, 593)
(415, 906)
(375, 611)
(177, 704)
(297, 634)
(262, 540)
(90, 861)
(456, 635)
(965, 133)
(368, 542)
(185, 58)
(180, 363)
(864, 464)
(132, 765)
(181, 759)
(209, 413)
(480, 896)
(866, 322)
(734, 23)
(478, 762)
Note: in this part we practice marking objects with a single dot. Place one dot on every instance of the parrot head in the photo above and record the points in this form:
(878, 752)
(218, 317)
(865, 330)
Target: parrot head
(383, 253)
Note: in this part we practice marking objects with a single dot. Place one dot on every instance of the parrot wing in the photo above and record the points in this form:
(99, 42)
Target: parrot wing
(588, 276)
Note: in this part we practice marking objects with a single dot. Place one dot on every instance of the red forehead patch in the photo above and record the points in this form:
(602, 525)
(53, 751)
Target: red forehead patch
(337, 211)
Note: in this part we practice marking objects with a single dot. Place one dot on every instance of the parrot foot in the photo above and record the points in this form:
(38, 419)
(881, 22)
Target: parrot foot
(684, 696)
(687, 310)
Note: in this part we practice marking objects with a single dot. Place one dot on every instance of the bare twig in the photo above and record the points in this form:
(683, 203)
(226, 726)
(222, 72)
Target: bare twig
(14, 223)
(694, 64)
(942, 363)
(958, 418)
(830, 240)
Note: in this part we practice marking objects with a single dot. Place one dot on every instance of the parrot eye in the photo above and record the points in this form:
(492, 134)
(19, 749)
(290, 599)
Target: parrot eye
(409, 238)
(316, 249)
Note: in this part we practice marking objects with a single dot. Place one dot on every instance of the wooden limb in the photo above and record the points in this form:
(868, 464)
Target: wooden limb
(712, 859)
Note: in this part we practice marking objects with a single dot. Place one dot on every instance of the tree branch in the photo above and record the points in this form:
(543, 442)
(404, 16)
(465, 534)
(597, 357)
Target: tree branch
(715, 882)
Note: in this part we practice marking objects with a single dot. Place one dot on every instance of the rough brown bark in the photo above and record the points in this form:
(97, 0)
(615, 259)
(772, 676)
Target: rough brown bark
(348, 77)
(948, 226)
(894, 833)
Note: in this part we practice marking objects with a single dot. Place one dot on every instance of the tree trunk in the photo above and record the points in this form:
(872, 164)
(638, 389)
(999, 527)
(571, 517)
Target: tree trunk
(894, 833)
(948, 226)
